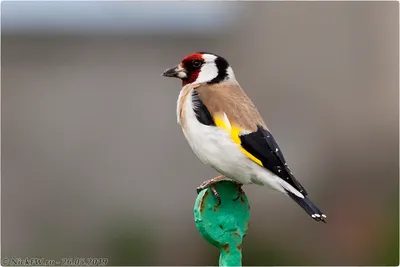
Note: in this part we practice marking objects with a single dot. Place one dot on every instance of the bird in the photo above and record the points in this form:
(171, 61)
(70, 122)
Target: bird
(226, 131)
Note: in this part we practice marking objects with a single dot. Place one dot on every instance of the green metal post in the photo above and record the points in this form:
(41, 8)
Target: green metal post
(226, 225)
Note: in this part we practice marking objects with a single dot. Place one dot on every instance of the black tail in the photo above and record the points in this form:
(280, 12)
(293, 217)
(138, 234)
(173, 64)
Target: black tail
(309, 207)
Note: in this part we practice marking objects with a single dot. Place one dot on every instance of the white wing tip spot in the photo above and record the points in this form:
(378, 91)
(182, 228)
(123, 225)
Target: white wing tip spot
(316, 215)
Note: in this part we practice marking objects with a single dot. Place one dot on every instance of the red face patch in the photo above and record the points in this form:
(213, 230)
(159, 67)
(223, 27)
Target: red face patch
(192, 66)
(194, 56)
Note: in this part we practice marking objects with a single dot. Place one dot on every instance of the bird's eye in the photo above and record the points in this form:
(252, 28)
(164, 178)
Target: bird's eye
(197, 63)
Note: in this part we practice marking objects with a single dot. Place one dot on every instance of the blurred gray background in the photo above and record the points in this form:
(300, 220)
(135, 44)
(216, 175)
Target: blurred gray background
(95, 165)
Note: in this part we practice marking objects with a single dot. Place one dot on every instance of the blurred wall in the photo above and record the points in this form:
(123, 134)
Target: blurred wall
(94, 164)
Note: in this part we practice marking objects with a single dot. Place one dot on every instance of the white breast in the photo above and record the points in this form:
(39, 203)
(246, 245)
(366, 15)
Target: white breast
(214, 146)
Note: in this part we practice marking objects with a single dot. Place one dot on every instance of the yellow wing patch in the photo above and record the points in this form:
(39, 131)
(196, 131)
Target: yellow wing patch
(234, 131)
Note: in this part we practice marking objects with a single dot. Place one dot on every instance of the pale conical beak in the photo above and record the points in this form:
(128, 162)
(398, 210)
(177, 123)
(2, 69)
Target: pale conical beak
(175, 72)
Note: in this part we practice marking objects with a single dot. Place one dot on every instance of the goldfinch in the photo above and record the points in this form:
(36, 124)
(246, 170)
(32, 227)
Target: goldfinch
(225, 130)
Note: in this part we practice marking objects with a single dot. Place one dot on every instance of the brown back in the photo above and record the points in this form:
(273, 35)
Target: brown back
(228, 97)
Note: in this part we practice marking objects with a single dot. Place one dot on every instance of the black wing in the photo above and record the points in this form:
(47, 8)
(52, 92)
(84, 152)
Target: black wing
(201, 111)
(262, 145)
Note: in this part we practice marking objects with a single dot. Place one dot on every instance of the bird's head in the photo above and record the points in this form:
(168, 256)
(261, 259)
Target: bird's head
(201, 67)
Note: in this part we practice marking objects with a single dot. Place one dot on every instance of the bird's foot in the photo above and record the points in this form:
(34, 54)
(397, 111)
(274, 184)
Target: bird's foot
(210, 183)
(241, 192)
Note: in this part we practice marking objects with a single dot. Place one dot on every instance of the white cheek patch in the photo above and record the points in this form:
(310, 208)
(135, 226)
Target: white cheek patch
(208, 71)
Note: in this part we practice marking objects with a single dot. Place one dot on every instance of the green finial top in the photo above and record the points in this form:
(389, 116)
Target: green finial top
(223, 226)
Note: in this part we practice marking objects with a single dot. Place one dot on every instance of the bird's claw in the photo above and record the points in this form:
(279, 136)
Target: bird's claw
(241, 192)
(210, 183)
(213, 190)
(203, 185)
